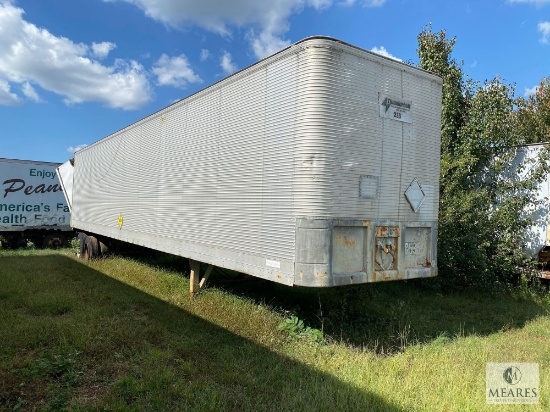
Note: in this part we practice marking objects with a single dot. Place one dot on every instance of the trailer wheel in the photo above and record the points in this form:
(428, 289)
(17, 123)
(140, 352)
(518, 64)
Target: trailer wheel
(54, 241)
(16, 241)
(88, 247)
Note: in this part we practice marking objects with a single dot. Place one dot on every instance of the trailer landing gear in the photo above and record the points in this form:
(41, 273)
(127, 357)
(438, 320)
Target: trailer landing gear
(195, 282)
(89, 248)
(92, 247)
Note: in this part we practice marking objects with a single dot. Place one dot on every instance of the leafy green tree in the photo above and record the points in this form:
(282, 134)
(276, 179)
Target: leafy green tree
(434, 50)
(482, 222)
(533, 114)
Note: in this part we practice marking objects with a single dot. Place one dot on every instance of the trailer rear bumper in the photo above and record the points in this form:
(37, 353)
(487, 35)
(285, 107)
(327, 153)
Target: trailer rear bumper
(335, 252)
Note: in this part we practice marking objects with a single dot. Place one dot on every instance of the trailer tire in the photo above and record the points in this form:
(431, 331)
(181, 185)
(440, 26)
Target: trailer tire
(17, 242)
(88, 247)
(54, 241)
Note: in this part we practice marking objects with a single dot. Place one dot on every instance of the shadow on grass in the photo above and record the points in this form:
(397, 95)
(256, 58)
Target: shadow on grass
(388, 317)
(72, 336)
(384, 317)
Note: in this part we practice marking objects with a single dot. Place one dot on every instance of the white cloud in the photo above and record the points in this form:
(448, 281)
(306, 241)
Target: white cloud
(226, 63)
(364, 3)
(7, 98)
(29, 54)
(101, 50)
(174, 71)
(31, 94)
(320, 4)
(266, 21)
(265, 44)
(213, 15)
(531, 91)
(71, 149)
(205, 54)
(383, 52)
(374, 3)
(544, 28)
(535, 2)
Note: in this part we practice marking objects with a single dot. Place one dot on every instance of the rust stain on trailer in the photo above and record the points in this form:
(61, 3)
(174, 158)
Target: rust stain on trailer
(387, 231)
(384, 276)
(345, 241)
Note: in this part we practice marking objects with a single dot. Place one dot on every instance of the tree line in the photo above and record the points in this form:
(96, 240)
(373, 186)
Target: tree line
(482, 220)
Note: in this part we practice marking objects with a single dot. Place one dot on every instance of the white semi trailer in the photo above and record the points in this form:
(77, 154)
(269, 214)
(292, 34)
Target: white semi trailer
(537, 237)
(317, 166)
(32, 205)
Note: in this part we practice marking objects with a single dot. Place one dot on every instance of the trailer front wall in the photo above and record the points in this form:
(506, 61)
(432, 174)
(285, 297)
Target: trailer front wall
(340, 136)
(342, 141)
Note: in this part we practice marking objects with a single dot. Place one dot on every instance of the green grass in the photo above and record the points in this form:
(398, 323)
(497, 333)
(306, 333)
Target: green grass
(122, 334)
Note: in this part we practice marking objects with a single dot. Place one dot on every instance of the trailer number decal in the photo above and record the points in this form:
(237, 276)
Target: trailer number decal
(273, 263)
(395, 108)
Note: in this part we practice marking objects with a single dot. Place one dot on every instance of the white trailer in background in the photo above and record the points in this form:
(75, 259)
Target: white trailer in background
(317, 166)
(32, 205)
(537, 238)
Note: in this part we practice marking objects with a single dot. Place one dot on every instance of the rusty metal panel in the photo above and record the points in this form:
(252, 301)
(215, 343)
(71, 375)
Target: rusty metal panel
(387, 231)
(386, 248)
(349, 249)
(417, 247)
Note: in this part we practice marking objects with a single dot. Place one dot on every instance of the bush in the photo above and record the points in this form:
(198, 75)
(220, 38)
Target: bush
(482, 223)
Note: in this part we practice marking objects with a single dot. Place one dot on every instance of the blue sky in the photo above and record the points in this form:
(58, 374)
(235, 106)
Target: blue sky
(73, 72)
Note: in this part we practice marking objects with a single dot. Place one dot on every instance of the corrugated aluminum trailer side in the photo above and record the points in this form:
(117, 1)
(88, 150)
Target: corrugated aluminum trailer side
(317, 166)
